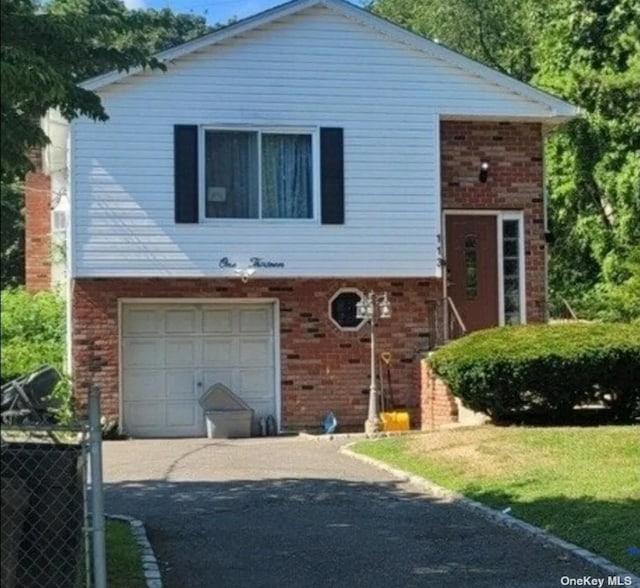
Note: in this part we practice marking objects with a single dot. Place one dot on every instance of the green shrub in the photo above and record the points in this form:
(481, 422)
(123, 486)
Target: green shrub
(544, 368)
(32, 331)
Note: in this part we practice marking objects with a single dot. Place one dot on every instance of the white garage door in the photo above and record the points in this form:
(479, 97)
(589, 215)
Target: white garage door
(172, 353)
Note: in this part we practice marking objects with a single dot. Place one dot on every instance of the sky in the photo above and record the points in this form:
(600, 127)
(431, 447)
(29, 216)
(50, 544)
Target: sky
(213, 10)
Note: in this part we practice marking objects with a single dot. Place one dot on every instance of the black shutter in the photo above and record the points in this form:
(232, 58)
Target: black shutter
(332, 176)
(185, 157)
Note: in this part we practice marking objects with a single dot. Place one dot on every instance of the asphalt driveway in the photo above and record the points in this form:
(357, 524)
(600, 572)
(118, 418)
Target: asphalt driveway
(294, 512)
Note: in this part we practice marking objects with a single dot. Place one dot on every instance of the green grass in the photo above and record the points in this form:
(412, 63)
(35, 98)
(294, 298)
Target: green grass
(580, 484)
(124, 566)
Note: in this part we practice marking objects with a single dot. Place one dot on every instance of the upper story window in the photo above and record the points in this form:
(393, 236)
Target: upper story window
(256, 174)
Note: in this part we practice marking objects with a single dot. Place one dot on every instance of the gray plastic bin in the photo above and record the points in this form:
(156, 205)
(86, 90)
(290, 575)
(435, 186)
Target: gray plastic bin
(228, 423)
(226, 415)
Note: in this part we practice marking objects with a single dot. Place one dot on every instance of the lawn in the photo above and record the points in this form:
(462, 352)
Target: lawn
(124, 566)
(581, 484)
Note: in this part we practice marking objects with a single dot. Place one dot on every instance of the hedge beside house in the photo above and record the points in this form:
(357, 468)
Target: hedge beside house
(544, 368)
(33, 331)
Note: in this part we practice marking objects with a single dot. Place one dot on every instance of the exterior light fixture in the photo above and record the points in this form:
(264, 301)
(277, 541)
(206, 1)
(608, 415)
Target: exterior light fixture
(245, 274)
(371, 308)
(484, 171)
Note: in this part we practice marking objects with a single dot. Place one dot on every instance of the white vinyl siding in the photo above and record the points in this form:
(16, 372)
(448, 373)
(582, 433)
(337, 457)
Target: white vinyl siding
(314, 69)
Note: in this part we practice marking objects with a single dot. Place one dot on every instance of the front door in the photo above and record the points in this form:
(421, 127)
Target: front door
(472, 269)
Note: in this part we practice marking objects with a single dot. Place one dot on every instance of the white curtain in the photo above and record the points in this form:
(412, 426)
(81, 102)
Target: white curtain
(286, 176)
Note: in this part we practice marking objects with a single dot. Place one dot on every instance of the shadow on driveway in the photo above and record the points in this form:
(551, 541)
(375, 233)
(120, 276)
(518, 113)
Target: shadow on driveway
(327, 531)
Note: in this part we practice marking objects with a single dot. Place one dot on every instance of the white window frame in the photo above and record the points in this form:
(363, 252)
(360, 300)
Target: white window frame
(501, 215)
(314, 132)
(519, 217)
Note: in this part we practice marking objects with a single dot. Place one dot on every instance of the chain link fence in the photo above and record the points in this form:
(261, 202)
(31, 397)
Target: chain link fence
(48, 525)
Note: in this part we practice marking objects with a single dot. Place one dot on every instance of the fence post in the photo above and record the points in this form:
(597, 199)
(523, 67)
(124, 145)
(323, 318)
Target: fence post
(97, 497)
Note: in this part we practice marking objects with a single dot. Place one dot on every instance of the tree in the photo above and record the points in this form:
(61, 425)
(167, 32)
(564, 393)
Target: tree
(11, 236)
(588, 52)
(498, 33)
(46, 51)
(152, 30)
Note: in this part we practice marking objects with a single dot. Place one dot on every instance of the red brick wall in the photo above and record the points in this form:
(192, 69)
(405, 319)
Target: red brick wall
(37, 232)
(437, 405)
(515, 182)
(322, 367)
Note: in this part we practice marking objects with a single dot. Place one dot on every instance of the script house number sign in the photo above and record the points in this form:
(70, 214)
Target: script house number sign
(256, 262)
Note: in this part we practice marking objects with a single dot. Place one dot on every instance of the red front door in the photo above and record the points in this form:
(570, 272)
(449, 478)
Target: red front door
(472, 269)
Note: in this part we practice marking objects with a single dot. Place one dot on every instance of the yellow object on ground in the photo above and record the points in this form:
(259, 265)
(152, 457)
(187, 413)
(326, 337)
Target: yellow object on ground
(395, 421)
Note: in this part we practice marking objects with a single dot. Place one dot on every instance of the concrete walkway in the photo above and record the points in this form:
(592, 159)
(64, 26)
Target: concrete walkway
(294, 512)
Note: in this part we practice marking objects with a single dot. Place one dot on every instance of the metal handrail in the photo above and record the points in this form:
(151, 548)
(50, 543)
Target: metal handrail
(457, 316)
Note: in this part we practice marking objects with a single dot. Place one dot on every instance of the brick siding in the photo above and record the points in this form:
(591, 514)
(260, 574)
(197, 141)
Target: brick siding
(37, 232)
(515, 182)
(322, 368)
(437, 404)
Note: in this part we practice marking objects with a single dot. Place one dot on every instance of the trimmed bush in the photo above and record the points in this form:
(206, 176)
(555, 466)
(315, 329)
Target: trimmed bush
(544, 368)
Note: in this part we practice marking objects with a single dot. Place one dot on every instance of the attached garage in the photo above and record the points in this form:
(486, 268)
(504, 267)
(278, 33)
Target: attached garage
(172, 353)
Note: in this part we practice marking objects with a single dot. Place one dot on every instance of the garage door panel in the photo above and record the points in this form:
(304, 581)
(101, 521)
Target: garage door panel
(142, 321)
(143, 353)
(255, 320)
(143, 414)
(255, 352)
(219, 352)
(217, 320)
(181, 321)
(182, 415)
(181, 352)
(222, 376)
(180, 384)
(143, 385)
(256, 382)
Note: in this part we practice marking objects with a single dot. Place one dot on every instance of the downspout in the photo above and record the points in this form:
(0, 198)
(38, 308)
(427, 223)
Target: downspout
(69, 256)
(546, 132)
(441, 268)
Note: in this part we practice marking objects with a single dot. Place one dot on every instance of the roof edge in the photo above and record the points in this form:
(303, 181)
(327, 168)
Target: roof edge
(261, 18)
(558, 108)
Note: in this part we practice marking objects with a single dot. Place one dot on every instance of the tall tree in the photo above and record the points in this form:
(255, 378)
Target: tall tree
(151, 30)
(47, 50)
(498, 33)
(11, 236)
(588, 52)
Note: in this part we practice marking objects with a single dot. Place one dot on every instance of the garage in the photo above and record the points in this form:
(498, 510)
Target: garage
(172, 353)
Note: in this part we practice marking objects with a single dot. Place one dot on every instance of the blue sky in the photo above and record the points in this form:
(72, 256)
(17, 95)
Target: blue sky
(214, 10)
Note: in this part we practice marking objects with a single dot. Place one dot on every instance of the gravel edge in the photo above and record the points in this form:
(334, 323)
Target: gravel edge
(150, 565)
(502, 518)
